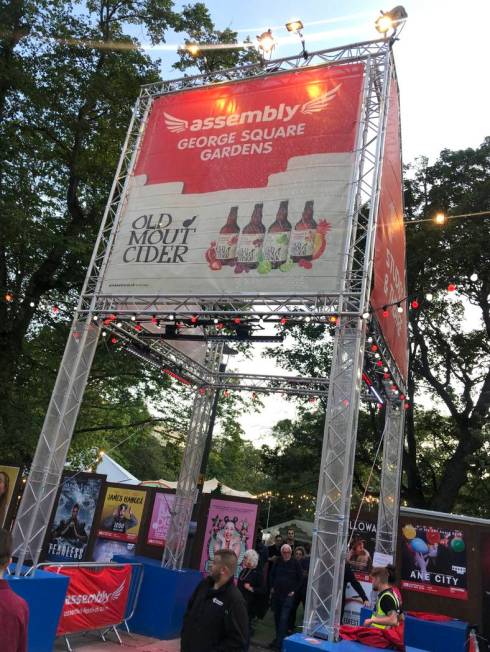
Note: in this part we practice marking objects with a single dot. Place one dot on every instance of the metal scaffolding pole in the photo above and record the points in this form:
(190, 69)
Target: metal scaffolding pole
(52, 448)
(391, 472)
(186, 492)
(325, 584)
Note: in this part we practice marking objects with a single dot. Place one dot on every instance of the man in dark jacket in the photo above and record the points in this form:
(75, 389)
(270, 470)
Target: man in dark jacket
(216, 618)
(286, 580)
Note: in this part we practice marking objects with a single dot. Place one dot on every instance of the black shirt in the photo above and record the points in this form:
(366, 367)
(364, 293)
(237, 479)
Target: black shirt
(286, 577)
(387, 602)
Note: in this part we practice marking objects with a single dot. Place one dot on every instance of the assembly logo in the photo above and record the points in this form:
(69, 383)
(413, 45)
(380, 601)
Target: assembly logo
(101, 597)
(281, 113)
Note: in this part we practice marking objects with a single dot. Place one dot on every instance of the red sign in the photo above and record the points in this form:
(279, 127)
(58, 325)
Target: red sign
(389, 256)
(236, 135)
(95, 598)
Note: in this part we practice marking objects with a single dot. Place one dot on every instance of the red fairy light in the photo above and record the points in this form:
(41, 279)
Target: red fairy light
(237, 320)
(345, 402)
(386, 376)
(226, 393)
(194, 319)
(202, 391)
(451, 287)
(402, 397)
(220, 326)
(138, 327)
(379, 363)
(415, 304)
(374, 348)
(113, 340)
(154, 320)
(385, 312)
(56, 310)
(284, 321)
(406, 405)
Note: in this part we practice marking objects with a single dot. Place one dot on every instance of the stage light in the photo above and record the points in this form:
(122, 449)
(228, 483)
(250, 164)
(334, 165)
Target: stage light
(474, 277)
(192, 48)
(266, 42)
(391, 19)
(440, 219)
(294, 26)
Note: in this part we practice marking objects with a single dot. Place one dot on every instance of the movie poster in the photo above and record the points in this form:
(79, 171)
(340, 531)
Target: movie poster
(106, 549)
(434, 560)
(485, 579)
(230, 526)
(122, 513)
(74, 516)
(362, 540)
(160, 519)
(8, 480)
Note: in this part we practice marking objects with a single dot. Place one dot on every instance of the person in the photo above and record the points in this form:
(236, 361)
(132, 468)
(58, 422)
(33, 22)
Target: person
(216, 617)
(252, 587)
(4, 494)
(261, 549)
(72, 529)
(121, 520)
(350, 578)
(275, 549)
(228, 539)
(300, 595)
(388, 609)
(358, 557)
(286, 579)
(290, 538)
(14, 612)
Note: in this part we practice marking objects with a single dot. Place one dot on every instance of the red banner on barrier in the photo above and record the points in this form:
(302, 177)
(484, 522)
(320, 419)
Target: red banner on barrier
(95, 598)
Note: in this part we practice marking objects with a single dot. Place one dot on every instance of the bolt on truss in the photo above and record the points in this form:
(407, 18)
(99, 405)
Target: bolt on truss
(391, 470)
(186, 491)
(325, 585)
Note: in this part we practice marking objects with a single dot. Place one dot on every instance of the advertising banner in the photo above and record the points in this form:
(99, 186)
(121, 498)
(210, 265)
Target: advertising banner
(95, 598)
(230, 526)
(160, 519)
(9, 476)
(362, 535)
(242, 187)
(122, 512)
(485, 579)
(434, 561)
(389, 255)
(106, 549)
(74, 517)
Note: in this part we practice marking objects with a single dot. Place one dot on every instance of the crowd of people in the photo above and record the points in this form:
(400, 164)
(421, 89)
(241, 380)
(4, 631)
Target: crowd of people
(221, 613)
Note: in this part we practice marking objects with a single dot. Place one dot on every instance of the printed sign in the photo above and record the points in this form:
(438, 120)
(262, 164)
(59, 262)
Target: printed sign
(160, 519)
(434, 561)
(8, 480)
(106, 549)
(390, 285)
(122, 513)
(95, 598)
(74, 517)
(360, 554)
(230, 526)
(242, 187)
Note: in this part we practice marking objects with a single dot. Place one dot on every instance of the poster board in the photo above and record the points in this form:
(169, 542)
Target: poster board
(123, 513)
(71, 530)
(10, 480)
(153, 536)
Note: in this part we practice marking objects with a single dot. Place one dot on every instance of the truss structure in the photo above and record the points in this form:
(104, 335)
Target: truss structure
(116, 313)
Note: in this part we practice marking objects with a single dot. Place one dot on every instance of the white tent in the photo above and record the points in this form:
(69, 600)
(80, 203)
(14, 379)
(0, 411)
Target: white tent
(209, 486)
(302, 529)
(114, 471)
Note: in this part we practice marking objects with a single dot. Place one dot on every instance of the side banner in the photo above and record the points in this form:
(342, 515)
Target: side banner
(360, 558)
(242, 187)
(389, 254)
(160, 519)
(434, 561)
(95, 598)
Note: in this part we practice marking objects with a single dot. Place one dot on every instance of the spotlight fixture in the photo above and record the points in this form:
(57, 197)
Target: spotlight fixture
(267, 43)
(391, 20)
(295, 26)
(192, 48)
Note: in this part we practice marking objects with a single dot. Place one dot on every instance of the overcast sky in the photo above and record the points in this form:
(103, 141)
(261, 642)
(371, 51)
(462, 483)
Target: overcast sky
(442, 60)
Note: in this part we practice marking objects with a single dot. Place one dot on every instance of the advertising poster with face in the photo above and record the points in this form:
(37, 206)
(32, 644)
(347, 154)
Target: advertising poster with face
(434, 560)
(230, 526)
(160, 519)
(73, 517)
(362, 536)
(106, 549)
(9, 476)
(122, 513)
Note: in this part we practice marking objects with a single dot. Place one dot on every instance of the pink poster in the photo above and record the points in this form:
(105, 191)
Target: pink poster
(160, 519)
(230, 525)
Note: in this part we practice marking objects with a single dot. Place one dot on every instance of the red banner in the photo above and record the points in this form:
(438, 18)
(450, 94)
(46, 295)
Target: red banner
(95, 598)
(389, 256)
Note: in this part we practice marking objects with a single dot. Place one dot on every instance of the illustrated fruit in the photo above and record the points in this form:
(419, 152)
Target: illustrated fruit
(287, 266)
(306, 264)
(319, 245)
(419, 545)
(215, 265)
(323, 227)
(265, 266)
(409, 532)
(457, 544)
(433, 536)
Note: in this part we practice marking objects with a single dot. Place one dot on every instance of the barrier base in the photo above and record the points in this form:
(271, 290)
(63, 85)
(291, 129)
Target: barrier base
(163, 598)
(45, 594)
(303, 643)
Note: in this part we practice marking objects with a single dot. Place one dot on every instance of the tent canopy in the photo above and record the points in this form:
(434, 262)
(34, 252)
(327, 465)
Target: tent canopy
(114, 471)
(209, 487)
(303, 530)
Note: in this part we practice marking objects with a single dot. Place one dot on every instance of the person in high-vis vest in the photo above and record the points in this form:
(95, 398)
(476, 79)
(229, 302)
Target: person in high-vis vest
(387, 610)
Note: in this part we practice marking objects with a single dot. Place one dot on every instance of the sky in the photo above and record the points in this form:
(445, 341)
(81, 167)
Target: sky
(442, 61)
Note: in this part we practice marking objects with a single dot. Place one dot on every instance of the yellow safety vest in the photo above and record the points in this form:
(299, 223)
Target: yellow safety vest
(379, 612)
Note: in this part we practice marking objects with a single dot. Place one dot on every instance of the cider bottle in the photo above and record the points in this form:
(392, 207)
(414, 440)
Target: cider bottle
(251, 240)
(226, 244)
(303, 236)
(276, 243)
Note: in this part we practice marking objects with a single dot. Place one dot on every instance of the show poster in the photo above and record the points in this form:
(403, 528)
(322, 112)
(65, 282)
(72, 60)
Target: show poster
(230, 526)
(122, 513)
(106, 549)
(242, 187)
(74, 517)
(434, 561)
(9, 476)
(485, 581)
(362, 540)
(160, 519)
(390, 285)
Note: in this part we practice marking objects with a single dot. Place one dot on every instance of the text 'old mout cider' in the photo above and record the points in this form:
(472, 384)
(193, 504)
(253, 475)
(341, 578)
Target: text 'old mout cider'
(276, 243)
(251, 240)
(303, 236)
(226, 245)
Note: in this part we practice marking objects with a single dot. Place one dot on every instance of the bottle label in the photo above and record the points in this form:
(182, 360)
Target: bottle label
(226, 246)
(276, 246)
(249, 247)
(302, 243)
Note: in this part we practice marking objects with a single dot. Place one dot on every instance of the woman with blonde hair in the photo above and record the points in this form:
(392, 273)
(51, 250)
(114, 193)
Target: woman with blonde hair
(252, 587)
